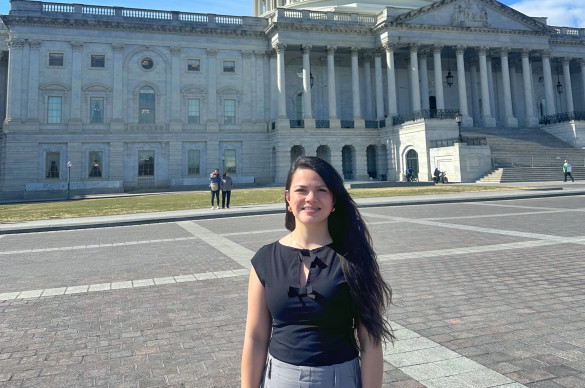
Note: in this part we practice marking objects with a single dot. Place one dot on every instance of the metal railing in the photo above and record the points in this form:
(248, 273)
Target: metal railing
(476, 141)
(531, 160)
(297, 123)
(347, 124)
(562, 118)
(322, 124)
(437, 114)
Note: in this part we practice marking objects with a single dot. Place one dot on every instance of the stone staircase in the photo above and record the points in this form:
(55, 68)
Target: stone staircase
(528, 155)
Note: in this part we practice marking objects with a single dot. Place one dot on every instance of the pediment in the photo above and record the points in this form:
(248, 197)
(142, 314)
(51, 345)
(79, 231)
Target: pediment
(485, 14)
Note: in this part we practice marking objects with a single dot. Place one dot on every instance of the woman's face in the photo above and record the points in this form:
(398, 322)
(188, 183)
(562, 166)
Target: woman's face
(310, 200)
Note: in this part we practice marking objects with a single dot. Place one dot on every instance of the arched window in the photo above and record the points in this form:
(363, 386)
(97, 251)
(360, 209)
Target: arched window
(324, 153)
(146, 105)
(412, 161)
(347, 162)
(295, 152)
(371, 161)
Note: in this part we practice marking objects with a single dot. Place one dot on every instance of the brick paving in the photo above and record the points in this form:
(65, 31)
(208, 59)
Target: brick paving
(507, 315)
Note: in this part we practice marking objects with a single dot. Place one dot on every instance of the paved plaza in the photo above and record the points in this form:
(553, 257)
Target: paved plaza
(486, 294)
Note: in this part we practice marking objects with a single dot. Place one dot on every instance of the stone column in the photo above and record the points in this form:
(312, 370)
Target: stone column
(280, 48)
(491, 85)
(74, 124)
(368, 83)
(531, 120)
(466, 120)
(307, 85)
(568, 85)
(273, 86)
(33, 80)
(548, 83)
(379, 84)
(334, 122)
(117, 102)
(414, 83)
(424, 80)
(582, 66)
(474, 92)
(438, 77)
(391, 73)
(260, 100)
(13, 113)
(245, 112)
(175, 124)
(487, 119)
(509, 119)
(212, 122)
(355, 85)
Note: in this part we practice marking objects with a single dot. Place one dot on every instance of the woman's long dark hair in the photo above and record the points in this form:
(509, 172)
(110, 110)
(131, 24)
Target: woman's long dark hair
(351, 239)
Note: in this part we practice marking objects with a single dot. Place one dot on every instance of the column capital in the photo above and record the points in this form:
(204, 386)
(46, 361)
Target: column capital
(175, 50)
(272, 54)
(389, 46)
(460, 50)
(77, 46)
(546, 53)
(483, 50)
(354, 51)
(259, 54)
(368, 55)
(437, 48)
(504, 51)
(16, 44)
(525, 53)
(279, 47)
(34, 44)
(306, 48)
(581, 61)
(247, 54)
(424, 53)
(414, 47)
(118, 48)
(377, 52)
(331, 50)
(566, 60)
(211, 52)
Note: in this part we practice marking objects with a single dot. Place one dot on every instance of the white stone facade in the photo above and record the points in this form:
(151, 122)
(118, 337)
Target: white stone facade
(142, 98)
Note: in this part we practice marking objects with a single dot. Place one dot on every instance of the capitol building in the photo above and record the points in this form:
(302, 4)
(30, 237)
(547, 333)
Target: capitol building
(108, 99)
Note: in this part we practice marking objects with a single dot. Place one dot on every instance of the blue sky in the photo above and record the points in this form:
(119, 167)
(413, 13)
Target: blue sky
(569, 13)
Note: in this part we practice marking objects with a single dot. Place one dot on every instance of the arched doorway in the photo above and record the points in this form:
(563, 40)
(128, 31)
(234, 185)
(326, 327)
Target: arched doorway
(324, 153)
(383, 162)
(273, 164)
(347, 161)
(371, 161)
(295, 152)
(412, 161)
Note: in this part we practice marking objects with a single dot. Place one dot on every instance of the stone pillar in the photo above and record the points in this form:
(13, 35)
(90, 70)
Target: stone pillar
(74, 124)
(307, 84)
(379, 84)
(368, 83)
(424, 80)
(273, 86)
(260, 100)
(491, 86)
(33, 81)
(487, 119)
(245, 112)
(355, 85)
(531, 120)
(280, 48)
(175, 124)
(117, 102)
(548, 83)
(14, 91)
(474, 92)
(466, 120)
(414, 77)
(334, 122)
(509, 119)
(568, 85)
(391, 73)
(212, 122)
(582, 66)
(438, 77)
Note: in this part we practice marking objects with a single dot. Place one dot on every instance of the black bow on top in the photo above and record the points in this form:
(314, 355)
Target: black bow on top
(301, 291)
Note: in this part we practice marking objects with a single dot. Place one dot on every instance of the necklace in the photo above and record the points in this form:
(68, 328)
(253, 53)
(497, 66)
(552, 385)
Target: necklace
(299, 245)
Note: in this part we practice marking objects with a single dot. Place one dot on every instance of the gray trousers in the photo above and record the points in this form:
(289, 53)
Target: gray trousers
(279, 374)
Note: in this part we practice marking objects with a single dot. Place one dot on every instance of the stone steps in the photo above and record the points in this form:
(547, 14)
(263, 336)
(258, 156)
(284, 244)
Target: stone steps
(530, 174)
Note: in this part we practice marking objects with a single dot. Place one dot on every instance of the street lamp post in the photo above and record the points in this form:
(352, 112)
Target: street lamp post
(69, 179)
(458, 118)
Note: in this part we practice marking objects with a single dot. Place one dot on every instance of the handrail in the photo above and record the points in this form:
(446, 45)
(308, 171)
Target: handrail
(562, 118)
(438, 114)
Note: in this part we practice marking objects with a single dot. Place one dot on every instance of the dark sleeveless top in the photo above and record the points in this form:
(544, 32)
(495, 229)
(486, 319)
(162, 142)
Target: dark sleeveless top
(311, 325)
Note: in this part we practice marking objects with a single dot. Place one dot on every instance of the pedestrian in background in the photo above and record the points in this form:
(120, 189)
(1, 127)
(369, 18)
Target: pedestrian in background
(215, 180)
(567, 169)
(316, 298)
(226, 190)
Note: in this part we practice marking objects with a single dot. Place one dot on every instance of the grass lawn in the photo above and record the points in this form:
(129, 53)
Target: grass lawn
(193, 200)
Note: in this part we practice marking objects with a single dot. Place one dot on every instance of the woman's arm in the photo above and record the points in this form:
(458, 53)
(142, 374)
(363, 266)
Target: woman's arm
(257, 337)
(372, 361)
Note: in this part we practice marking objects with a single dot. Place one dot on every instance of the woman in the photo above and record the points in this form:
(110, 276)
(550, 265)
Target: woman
(318, 290)
(215, 181)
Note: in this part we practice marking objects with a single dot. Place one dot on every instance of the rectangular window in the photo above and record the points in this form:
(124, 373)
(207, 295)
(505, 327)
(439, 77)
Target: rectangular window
(229, 66)
(193, 116)
(194, 162)
(56, 59)
(229, 111)
(52, 160)
(54, 111)
(98, 61)
(145, 163)
(146, 105)
(95, 164)
(193, 65)
(96, 113)
(229, 161)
